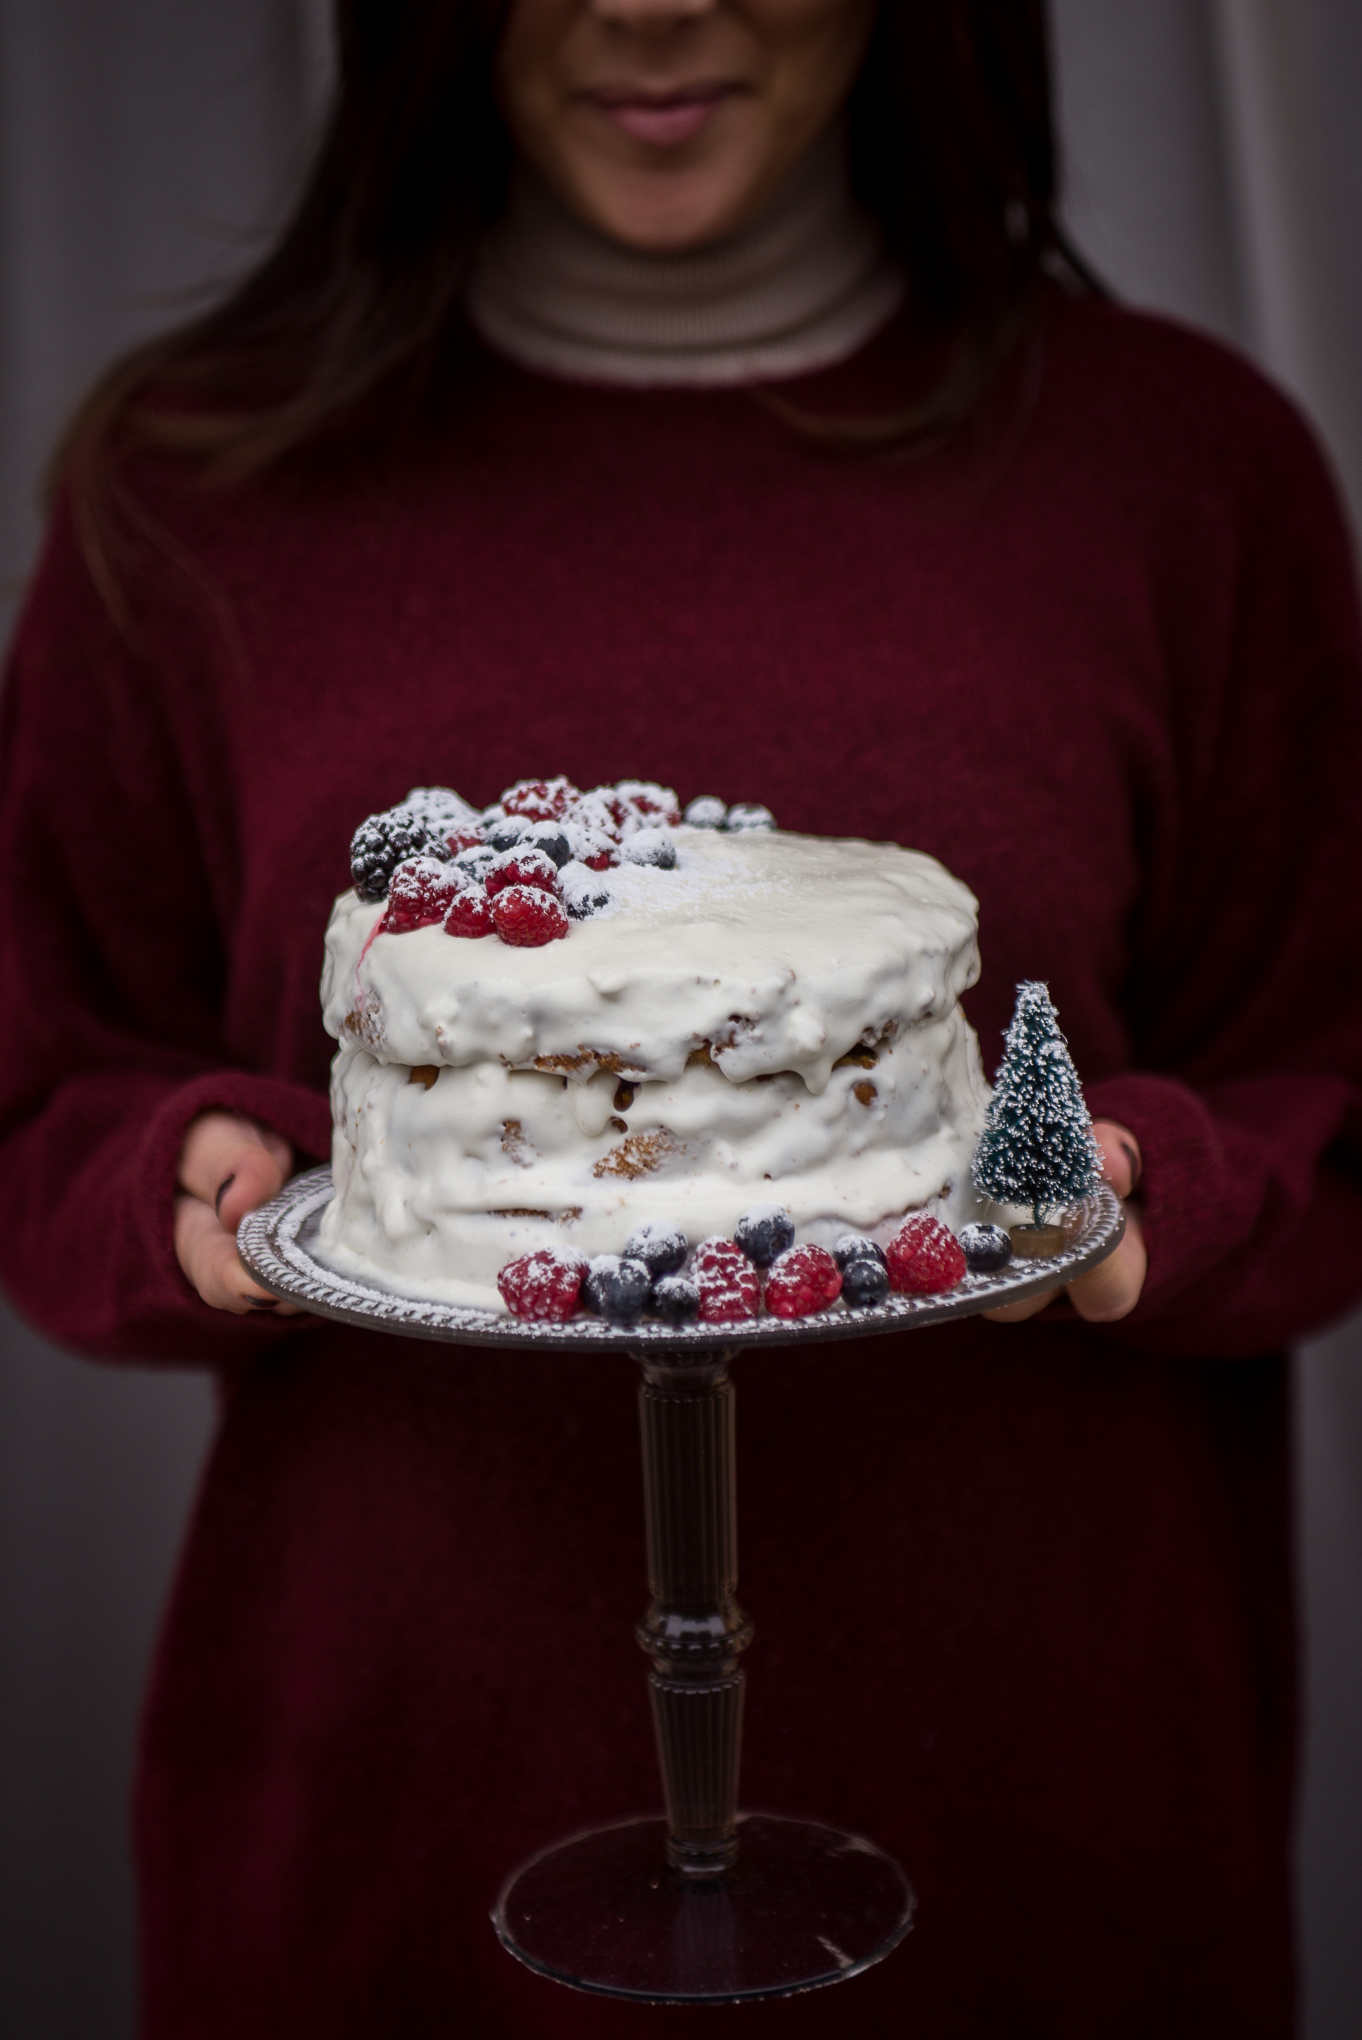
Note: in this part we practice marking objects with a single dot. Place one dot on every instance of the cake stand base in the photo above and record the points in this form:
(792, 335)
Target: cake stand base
(806, 1905)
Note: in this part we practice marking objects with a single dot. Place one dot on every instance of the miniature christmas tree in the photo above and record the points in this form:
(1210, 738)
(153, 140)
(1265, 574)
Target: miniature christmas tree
(1037, 1146)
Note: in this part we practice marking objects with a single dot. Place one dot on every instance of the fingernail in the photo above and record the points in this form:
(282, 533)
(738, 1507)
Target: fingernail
(223, 1187)
(1136, 1168)
(263, 1302)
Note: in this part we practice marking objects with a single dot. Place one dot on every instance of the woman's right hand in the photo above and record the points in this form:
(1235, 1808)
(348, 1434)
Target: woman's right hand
(228, 1166)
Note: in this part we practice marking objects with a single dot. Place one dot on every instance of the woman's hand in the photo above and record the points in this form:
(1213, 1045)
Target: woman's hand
(1111, 1289)
(227, 1167)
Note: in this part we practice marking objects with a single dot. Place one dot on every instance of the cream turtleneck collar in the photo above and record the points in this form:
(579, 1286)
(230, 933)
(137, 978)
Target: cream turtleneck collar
(801, 287)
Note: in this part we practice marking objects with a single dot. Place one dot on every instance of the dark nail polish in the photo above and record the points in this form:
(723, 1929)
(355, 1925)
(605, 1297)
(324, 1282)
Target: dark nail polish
(223, 1187)
(263, 1302)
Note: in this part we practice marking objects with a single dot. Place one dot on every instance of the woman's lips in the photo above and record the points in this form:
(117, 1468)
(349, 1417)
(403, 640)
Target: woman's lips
(658, 118)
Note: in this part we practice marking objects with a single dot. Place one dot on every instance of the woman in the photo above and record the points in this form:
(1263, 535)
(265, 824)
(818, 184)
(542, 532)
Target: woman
(700, 389)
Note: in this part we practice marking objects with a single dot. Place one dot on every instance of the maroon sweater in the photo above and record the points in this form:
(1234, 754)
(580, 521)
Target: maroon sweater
(1022, 1594)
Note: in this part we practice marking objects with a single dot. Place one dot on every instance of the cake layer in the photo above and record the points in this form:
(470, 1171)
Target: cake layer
(770, 952)
(443, 1174)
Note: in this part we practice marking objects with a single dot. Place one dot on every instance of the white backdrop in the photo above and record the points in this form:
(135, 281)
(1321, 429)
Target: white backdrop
(1215, 171)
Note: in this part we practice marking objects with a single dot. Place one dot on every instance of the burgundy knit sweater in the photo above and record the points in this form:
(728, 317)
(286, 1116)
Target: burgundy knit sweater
(1021, 1593)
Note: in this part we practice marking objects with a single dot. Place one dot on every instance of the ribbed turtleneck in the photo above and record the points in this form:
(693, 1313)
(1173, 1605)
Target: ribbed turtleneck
(801, 287)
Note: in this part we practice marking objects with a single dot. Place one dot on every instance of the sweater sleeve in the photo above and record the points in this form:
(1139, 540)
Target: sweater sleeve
(113, 965)
(1246, 982)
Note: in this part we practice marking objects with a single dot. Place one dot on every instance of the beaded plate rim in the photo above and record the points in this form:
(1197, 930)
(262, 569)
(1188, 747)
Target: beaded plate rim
(277, 1243)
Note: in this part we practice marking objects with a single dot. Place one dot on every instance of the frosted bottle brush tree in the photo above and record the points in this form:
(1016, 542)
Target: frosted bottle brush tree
(1037, 1146)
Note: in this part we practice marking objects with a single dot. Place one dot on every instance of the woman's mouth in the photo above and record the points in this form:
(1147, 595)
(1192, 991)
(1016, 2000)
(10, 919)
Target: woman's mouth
(660, 118)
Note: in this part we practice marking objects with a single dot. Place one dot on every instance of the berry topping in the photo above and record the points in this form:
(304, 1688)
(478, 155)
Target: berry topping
(617, 1289)
(384, 841)
(420, 895)
(650, 846)
(864, 1281)
(707, 812)
(924, 1256)
(553, 839)
(763, 1232)
(728, 1284)
(527, 918)
(476, 862)
(542, 800)
(986, 1248)
(471, 913)
(652, 804)
(458, 839)
(544, 1284)
(854, 1246)
(584, 894)
(507, 831)
(749, 815)
(675, 1298)
(660, 1247)
(524, 865)
(800, 1281)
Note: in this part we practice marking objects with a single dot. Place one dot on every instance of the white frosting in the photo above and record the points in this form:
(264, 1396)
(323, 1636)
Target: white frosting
(724, 993)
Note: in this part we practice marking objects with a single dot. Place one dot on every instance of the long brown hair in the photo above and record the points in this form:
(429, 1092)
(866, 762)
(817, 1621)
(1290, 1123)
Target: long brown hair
(349, 316)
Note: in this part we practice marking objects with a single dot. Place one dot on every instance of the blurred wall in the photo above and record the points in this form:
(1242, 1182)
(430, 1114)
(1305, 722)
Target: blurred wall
(1215, 171)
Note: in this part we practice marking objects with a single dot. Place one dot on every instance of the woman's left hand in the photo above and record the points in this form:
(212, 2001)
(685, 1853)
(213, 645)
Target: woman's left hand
(1112, 1289)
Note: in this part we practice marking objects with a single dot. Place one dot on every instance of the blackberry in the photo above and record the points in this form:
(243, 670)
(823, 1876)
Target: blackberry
(854, 1246)
(616, 1289)
(660, 1247)
(763, 1232)
(674, 1299)
(986, 1248)
(384, 841)
(748, 814)
(650, 846)
(706, 812)
(865, 1281)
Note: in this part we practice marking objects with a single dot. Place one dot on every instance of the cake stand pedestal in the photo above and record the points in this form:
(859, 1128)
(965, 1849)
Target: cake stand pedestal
(705, 1904)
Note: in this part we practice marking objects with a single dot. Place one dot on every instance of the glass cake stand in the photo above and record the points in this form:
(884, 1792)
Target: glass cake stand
(705, 1903)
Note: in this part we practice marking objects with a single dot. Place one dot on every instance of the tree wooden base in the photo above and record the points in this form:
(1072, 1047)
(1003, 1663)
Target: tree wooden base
(1037, 1242)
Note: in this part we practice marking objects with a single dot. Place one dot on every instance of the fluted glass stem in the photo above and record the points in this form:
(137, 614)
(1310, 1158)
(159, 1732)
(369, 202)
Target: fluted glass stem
(694, 1630)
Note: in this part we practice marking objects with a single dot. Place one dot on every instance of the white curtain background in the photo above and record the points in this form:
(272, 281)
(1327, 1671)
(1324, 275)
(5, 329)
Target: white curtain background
(1214, 171)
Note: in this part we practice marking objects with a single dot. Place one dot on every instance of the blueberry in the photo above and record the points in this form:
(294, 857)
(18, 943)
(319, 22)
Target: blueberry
(763, 1232)
(549, 837)
(616, 1289)
(650, 846)
(853, 1246)
(675, 1298)
(748, 814)
(986, 1248)
(476, 861)
(505, 834)
(865, 1281)
(382, 842)
(660, 1247)
(584, 892)
(706, 812)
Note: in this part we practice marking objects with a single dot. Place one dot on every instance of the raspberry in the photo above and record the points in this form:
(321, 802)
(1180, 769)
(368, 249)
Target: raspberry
(527, 918)
(544, 1284)
(924, 1256)
(603, 811)
(763, 1232)
(420, 895)
(464, 838)
(800, 1281)
(541, 800)
(729, 1286)
(471, 913)
(524, 865)
(654, 805)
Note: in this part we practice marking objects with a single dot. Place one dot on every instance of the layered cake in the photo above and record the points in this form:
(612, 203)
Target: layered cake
(581, 1034)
